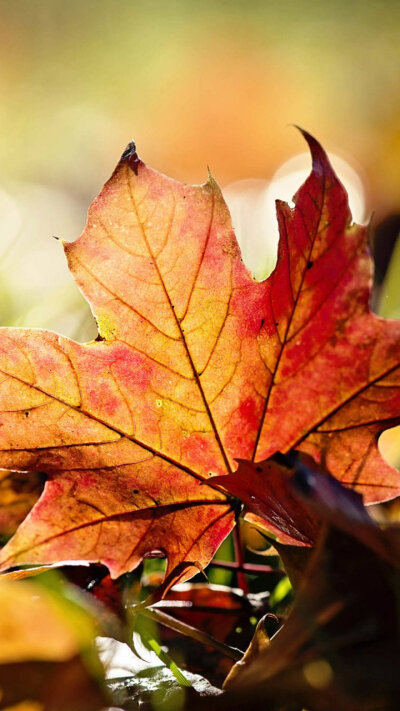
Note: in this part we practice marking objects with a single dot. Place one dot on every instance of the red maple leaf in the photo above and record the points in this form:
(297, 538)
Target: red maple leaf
(196, 365)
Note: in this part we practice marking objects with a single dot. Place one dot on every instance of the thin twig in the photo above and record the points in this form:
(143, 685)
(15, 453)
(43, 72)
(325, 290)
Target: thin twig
(246, 567)
(239, 558)
(189, 607)
(189, 631)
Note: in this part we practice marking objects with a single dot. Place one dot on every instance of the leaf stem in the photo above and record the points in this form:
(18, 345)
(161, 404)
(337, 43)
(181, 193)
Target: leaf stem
(239, 558)
(189, 631)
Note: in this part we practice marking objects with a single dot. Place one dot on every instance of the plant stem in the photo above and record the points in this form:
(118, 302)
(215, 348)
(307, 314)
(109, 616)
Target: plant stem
(239, 558)
(192, 632)
(246, 567)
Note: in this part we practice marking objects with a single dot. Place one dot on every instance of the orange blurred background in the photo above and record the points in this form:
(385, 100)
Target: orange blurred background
(197, 83)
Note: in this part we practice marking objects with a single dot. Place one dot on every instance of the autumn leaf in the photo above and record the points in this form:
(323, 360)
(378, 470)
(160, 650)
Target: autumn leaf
(196, 365)
(19, 491)
(340, 643)
(266, 489)
(47, 646)
(269, 492)
(123, 426)
(225, 614)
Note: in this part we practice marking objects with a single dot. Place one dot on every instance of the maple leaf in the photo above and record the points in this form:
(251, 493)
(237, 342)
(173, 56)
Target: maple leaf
(196, 365)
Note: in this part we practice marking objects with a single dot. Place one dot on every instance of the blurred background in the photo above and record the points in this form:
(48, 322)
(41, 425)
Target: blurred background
(194, 83)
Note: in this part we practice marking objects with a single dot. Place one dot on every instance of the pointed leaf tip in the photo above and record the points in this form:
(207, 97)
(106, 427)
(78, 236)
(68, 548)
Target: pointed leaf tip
(211, 180)
(320, 161)
(129, 151)
(130, 156)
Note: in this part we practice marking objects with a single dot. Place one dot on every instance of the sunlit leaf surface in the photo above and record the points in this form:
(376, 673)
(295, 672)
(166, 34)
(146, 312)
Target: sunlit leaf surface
(196, 365)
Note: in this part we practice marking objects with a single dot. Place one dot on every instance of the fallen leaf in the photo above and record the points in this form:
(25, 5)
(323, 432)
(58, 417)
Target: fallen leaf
(158, 688)
(55, 686)
(196, 365)
(225, 614)
(47, 646)
(259, 643)
(215, 609)
(46, 603)
(340, 644)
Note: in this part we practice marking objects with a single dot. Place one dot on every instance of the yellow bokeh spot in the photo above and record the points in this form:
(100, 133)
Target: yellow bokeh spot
(318, 674)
